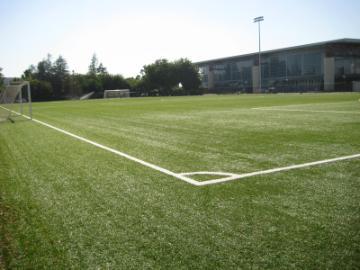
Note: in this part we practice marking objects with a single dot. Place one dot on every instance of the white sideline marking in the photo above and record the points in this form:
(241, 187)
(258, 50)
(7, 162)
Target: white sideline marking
(183, 176)
(142, 162)
(299, 110)
(292, 167)
(295, 108)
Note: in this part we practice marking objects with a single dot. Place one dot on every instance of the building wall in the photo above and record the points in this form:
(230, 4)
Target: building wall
(286, 71)
(309, 68)
(356, 86)
(255, 79)
(329, 73)
(346, 65)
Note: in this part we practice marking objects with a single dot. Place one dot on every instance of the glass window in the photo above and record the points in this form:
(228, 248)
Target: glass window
(204, 73)
(357, 66)
(265, 68)
(347, 65)
(277, 66)
(342, 66)
(235, 72)
(219, 72)
(227, 75)
(294, 65)
(241, 72)
(312, 63)
(246, 75)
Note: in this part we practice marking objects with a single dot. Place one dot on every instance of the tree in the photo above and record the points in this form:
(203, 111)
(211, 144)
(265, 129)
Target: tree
(110, 82)
(160, 75)
(136, 85)
(55, 73)
(166, 76)
(41, 90)
(52, 80)
(188, 76)
(60, 67)
(29, 73)
(134, 82)
(92, 84)
(60, 74)
(44, 69)
(101, 69)
(93, 67)
(74, 83)
(1, 80)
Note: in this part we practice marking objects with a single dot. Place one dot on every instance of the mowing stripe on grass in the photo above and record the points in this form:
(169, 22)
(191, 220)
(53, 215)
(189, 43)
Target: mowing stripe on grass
(183, 176)
(142, 162)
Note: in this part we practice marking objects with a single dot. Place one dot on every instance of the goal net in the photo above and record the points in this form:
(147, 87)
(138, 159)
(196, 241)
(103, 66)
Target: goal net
(118, 93)
(14, 100)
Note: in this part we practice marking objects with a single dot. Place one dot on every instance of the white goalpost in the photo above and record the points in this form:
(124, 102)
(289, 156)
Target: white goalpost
(13, 100)
(117, 93)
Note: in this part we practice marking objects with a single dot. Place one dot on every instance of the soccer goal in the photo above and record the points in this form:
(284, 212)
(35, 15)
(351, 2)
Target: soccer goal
(14, 99)
(118, 93)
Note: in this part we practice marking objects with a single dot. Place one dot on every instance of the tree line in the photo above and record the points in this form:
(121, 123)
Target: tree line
(51, 79)
(1, 79)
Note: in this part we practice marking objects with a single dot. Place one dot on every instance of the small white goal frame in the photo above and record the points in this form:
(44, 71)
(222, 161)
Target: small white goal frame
(11, 98)
(117, 93)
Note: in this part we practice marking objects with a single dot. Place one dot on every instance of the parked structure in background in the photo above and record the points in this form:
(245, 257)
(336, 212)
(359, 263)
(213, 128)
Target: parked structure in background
(87, 96)
(325, 66)
(118, 93)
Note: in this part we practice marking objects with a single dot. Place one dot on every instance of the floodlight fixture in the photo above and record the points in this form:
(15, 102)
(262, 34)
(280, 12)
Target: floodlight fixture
(259, 20)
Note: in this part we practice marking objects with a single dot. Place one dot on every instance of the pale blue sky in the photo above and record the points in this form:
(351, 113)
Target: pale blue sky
(129, 34)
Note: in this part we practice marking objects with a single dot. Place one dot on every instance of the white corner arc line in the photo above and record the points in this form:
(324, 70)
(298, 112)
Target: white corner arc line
(208, 173)
(226, 176)
(280, 169)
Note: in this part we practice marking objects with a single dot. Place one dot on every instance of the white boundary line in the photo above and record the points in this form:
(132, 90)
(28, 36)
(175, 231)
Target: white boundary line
(280, 169)
(142, 162)
(299, 110)
(183, 176)
(227, 176)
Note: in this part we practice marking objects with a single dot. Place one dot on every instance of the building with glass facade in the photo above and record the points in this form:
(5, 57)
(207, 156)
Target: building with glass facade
(325, 66)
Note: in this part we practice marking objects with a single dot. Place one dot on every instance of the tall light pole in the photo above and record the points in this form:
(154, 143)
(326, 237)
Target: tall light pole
(258, 20)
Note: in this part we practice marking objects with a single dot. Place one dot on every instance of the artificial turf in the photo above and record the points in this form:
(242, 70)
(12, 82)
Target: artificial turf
(65, 204)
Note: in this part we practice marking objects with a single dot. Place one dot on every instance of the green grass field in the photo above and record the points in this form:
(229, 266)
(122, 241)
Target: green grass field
(65, 204)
